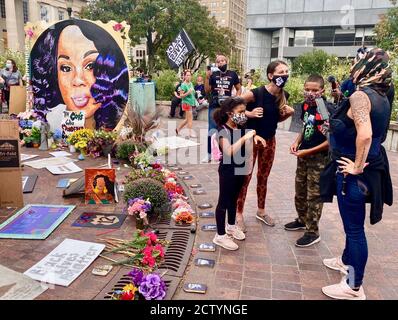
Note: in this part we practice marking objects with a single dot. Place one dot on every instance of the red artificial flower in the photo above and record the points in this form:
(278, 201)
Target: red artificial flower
(149, 260)
(159, 248)
(127, 295)
(152, 238)
(118, 27)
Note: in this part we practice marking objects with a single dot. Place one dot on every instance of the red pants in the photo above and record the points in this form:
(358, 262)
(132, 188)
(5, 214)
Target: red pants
(265, 160)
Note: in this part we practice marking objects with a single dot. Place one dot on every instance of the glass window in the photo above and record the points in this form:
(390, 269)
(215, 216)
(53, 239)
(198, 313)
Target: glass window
(25, 5)
(61, 15)
(344, 37)
(304, 38)
(324, 37)
(44, 13)
(3, 8)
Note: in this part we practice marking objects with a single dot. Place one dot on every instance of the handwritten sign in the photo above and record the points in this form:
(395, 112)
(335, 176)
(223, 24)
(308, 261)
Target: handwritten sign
(72, 122)
(66, 262)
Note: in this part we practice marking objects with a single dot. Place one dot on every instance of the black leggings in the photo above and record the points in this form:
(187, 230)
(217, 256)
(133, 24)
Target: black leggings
(230, 186)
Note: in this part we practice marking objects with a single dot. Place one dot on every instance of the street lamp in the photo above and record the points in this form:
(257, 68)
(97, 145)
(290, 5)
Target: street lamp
(69, 4)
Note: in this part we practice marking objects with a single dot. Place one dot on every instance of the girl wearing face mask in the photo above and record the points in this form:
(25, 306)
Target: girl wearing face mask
(10, 76)
(267, 105)
(235, 144)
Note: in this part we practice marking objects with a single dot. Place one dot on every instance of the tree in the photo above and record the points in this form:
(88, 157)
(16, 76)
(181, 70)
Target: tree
(387, 30)
(159, 21)
(312, 62)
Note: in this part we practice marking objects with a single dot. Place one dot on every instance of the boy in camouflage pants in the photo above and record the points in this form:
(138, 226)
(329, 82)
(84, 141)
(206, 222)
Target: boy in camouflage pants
(311, 149)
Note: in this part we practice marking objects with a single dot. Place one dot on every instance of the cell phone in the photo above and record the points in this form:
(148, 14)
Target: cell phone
(321, 107)
(205, 263)
(195, 288)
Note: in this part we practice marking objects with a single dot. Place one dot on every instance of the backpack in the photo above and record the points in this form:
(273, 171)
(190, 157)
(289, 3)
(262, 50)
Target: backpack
(216, 153)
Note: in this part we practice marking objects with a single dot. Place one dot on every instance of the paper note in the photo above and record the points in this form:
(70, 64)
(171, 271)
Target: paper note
(67, 168)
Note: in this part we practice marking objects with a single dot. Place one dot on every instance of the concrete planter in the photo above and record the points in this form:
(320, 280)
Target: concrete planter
(391, 143)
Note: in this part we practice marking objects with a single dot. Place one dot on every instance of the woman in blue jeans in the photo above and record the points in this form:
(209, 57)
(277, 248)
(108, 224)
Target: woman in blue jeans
(359, 171)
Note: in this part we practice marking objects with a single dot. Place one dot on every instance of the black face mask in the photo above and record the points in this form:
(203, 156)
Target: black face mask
(280, 81)
(223, 68)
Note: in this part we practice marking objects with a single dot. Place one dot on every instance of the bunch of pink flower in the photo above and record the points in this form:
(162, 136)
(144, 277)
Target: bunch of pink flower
(139, 207)
(153, 255)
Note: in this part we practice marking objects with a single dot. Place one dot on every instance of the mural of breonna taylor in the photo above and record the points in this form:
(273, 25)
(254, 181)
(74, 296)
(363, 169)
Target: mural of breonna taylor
(78, 66)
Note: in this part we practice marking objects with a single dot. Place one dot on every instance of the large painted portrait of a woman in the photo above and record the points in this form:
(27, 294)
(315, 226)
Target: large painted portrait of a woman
(78, 66)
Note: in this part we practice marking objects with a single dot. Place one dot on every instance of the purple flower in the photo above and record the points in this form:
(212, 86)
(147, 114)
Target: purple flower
(153, 287)
(137, 276)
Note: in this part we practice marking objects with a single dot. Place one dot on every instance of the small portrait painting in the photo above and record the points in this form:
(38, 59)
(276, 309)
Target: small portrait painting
(100, 186)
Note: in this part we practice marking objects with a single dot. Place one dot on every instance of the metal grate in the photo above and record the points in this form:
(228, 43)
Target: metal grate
(178, 252)
(122, 279)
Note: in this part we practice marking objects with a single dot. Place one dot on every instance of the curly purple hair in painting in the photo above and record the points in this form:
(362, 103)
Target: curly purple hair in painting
(110, 90)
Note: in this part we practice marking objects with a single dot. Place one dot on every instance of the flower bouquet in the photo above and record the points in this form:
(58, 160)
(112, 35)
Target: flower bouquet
(101, 143)
(183, 216)
(139, 208)
(148, 287)
(144, 251)
(80, 138)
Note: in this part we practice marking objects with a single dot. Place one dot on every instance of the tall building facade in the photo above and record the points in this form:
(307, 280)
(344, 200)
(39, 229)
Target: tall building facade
(231, 14)
(288, 28)
(15, 13)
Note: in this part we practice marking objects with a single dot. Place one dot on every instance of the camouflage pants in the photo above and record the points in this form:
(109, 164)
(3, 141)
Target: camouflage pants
(307, 199)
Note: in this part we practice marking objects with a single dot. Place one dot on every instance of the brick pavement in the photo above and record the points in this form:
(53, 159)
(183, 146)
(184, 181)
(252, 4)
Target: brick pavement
(268, 265)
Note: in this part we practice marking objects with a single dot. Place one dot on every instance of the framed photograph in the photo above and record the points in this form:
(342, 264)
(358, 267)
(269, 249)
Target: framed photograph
(100, 186)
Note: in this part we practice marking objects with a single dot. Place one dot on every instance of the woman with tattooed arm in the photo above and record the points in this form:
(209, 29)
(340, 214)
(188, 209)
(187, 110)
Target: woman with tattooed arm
(359, 170)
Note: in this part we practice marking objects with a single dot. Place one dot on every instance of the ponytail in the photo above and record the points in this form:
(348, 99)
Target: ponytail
(221, 116)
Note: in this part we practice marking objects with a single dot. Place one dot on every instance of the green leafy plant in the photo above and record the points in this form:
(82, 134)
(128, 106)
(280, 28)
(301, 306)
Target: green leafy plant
(36, 135)
(136, 174)
(150, 189)
(165, 83)
(312, 62)
(125, 149)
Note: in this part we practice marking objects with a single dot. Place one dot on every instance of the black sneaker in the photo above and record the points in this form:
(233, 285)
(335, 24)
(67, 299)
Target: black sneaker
(295, 225)
(308, 239)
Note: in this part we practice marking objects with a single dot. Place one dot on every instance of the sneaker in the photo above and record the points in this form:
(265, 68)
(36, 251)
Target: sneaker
(342, 291)
(206, 159)
(295, 225)
(336, 264)
(235, 232)
(308, 239)
(241, 225)
(266, 219)
(226, 242)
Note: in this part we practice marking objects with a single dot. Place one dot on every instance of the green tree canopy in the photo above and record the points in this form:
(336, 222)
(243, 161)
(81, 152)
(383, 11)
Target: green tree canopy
(387, 30)
(159, 21)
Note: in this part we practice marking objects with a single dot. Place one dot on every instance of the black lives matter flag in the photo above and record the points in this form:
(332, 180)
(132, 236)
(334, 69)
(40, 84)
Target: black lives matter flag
(179, 49)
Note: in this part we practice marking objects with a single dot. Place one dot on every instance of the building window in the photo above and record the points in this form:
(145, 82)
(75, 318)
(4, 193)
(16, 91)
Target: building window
(3, 8)
(324, 37)
(61, 15)
(44, 13)
(303, 38)
(344, 37)
(25, 5)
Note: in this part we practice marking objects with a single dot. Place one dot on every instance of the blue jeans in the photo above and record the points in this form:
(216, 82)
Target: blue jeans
(212, 126)
(353, 211)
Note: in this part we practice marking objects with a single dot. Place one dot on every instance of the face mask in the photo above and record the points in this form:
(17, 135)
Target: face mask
(239, 118)
(280, 81)
(223, 68)
(9, 66)
(311, 97)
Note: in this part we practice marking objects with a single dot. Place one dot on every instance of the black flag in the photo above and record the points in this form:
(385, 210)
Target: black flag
(179, 49)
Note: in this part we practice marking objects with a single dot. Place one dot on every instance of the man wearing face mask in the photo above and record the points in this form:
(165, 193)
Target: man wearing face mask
(311, 150)
(219, 84)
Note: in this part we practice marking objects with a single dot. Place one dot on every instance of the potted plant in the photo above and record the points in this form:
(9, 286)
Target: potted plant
(79, 139)
(28, 141)
(36, 136)
(102, 143)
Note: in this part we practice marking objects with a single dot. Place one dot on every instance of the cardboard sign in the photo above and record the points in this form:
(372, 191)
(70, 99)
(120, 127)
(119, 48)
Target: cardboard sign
(9, 153)
(10, 171)
(72, 122)
(66, 262)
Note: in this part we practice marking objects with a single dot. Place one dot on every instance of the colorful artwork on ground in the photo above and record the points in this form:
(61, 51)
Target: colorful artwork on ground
(100, 186)
(34, 221)
(100, 220)
(79, 65)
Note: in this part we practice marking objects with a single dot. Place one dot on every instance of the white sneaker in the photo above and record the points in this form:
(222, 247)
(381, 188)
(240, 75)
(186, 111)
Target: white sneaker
(235, 232)
(206, 159)
(336, 264)
(342, 291)
(226, 242)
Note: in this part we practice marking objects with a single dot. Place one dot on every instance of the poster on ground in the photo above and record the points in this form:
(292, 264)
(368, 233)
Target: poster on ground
(66, 262)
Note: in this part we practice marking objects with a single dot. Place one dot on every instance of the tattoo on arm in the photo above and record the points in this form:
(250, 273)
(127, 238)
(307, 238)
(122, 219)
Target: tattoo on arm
(360, 107)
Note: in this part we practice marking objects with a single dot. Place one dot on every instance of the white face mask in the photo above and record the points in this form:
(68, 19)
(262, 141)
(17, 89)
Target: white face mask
(9, 65)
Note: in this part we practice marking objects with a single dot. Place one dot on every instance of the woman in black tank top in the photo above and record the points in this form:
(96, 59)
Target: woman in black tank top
(357, 130)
